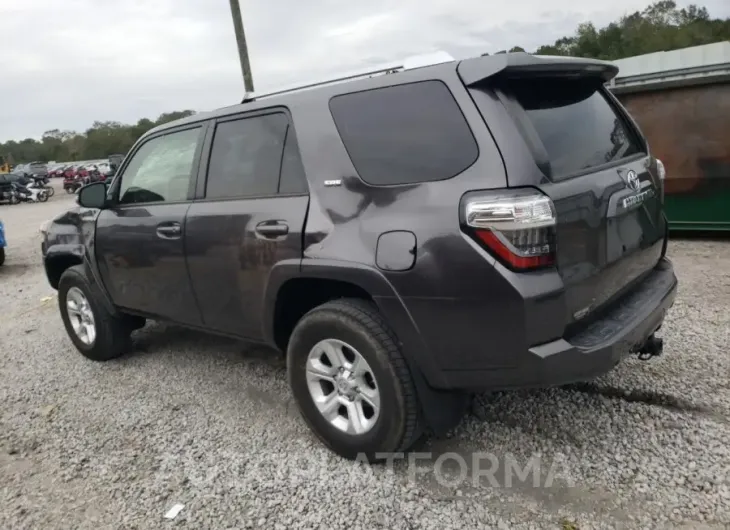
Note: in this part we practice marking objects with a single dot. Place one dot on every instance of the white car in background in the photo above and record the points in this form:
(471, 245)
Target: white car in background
(104, 168)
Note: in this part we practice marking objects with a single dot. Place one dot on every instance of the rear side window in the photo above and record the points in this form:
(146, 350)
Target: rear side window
(405, 134)
(246, 157)
(576, 124)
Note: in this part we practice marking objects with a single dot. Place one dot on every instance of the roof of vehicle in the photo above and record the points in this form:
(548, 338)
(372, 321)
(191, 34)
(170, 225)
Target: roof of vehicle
(471, 71)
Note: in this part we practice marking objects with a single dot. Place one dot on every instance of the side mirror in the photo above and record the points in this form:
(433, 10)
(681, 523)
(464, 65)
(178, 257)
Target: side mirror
(92, 195)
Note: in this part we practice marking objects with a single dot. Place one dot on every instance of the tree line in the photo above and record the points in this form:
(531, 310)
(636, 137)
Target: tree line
(660, 27)
(102, 139)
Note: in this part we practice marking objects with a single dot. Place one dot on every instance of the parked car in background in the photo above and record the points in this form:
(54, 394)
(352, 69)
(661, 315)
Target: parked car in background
(8, 193)
(69, 171)
(104, 168)
(56, 170)
(491, 223)
(38, 169)
(3, 243)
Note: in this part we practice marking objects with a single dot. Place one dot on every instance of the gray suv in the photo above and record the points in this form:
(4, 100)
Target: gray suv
(404, 238)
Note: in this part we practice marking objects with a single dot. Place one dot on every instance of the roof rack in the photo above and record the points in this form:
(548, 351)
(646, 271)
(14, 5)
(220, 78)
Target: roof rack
(417, 61)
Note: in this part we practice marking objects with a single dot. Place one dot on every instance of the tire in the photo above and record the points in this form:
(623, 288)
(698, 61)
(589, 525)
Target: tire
(50, 191)
(2, 256)
(359, 326)
(112, 334)
(14, 199)
(42, 196)
(69, 190)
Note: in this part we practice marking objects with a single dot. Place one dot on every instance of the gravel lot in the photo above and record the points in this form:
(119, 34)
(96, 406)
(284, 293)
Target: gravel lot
(209, 423)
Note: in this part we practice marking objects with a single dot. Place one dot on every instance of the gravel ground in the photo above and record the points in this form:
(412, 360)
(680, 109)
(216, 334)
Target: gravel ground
(209, 423)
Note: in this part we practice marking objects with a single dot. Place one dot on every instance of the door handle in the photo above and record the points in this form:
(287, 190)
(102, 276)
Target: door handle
(272, 229)
(169, 231)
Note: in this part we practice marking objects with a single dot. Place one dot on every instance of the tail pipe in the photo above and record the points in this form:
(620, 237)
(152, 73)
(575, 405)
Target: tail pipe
(652, 347)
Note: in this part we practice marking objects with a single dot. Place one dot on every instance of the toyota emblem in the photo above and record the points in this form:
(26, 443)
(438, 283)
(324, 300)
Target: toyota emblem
(632, 180)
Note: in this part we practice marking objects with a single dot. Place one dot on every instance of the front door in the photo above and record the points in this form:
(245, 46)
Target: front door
(250, 218)
(140, 239)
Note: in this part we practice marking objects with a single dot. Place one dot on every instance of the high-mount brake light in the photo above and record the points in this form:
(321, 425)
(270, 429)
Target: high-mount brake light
(517, 226)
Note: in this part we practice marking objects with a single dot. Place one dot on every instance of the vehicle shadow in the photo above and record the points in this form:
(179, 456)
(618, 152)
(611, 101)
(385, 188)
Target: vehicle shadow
(13, 268)
(157, 336)
(515, 409)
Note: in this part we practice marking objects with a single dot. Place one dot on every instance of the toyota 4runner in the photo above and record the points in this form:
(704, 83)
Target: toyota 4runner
(403, 237)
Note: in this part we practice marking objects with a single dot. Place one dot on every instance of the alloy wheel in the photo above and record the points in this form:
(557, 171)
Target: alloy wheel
(343, 386)
(81, 316)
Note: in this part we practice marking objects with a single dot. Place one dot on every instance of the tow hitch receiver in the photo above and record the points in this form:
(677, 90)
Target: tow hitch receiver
(651, 348)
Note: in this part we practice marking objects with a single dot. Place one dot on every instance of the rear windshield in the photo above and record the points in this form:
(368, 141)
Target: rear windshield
(577, 126)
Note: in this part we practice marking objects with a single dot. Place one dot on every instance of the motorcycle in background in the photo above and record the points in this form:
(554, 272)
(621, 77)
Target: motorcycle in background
(42, 182)
(9, 195)
(33, 192)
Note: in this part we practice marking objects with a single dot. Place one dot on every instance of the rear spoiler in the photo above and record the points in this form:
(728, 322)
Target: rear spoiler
(475, 70)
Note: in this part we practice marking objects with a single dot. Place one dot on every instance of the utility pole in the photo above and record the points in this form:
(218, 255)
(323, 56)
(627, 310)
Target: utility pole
(242, 47)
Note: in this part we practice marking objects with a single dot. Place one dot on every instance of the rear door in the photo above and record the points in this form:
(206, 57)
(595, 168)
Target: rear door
(592, 161)
(250, 212)
(139, 241)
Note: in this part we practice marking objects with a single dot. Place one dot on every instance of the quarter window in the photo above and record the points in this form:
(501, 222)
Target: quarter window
(405, 134)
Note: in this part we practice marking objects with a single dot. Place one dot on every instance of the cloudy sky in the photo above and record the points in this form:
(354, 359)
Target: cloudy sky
(66, 63)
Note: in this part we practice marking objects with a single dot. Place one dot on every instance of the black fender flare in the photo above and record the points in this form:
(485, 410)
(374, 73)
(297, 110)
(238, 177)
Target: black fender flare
(78, 252)
(442, 409)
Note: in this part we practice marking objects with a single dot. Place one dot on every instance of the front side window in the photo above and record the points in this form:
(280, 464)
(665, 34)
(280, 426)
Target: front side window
(160, 170)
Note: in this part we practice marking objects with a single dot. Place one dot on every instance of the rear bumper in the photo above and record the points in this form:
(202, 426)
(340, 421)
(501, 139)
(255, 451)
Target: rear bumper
(591, 352)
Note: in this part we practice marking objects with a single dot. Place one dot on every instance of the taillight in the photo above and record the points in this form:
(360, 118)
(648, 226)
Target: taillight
(662, 176)
(517, 226)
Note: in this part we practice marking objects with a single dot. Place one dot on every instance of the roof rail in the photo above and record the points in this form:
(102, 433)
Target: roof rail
(417, 61)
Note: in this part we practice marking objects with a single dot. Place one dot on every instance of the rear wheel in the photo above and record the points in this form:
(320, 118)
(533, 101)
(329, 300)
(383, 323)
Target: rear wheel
(96, 333)
(351, 382)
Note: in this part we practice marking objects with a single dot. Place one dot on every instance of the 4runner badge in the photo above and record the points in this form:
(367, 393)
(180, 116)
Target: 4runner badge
(633, 182)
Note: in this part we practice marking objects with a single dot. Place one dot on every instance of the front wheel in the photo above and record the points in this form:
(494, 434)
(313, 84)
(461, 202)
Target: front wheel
(42, 196)
(96, 333)
(351, 382)
(50, 191)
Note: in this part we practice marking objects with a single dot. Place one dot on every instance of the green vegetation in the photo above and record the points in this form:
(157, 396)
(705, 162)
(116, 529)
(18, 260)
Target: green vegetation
(660, 27)
(100, 141)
